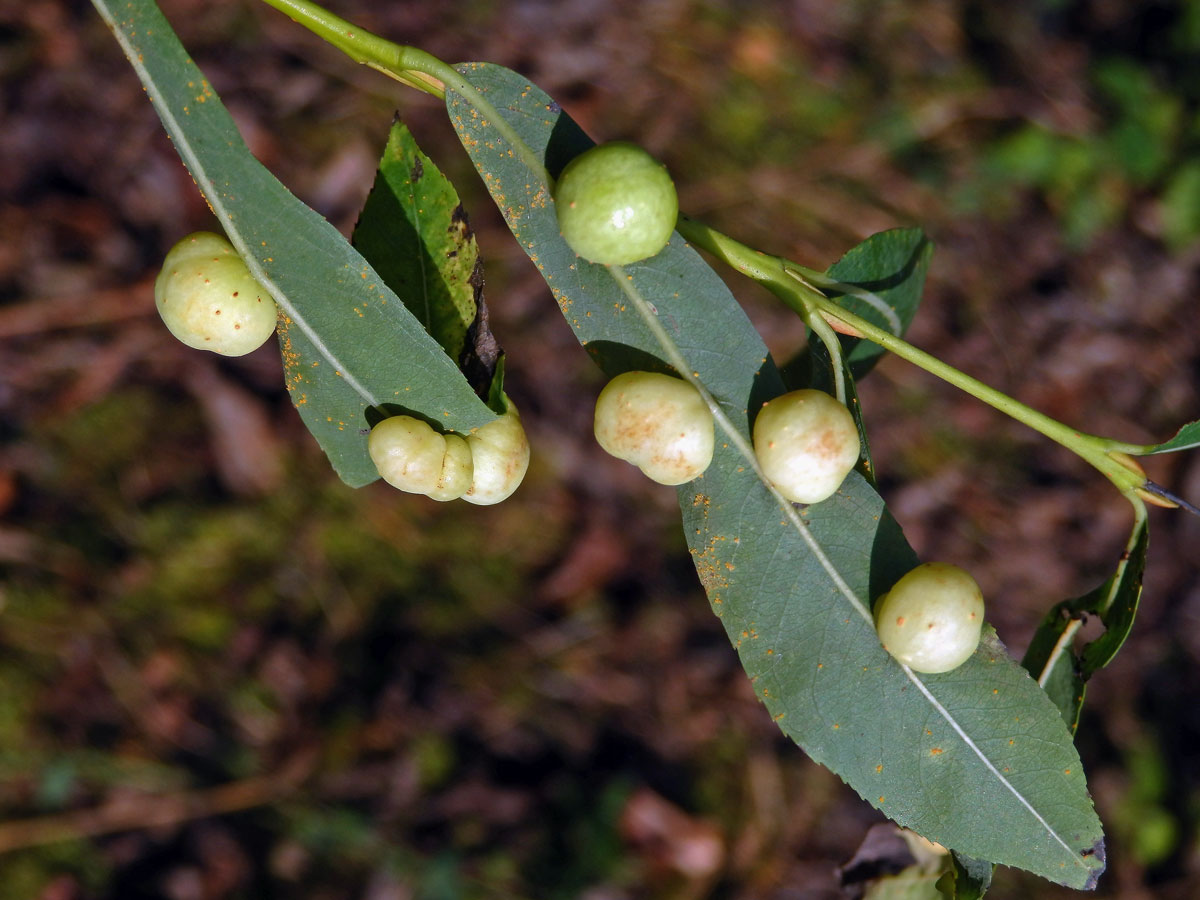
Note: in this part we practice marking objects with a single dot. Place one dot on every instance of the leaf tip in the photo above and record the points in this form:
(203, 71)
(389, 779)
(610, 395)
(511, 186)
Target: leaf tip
(1097, 854)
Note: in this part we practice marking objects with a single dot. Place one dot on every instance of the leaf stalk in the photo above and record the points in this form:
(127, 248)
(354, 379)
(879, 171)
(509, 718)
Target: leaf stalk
(793, 285)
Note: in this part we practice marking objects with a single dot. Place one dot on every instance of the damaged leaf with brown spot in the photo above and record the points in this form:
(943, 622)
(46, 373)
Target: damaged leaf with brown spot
(416, 234)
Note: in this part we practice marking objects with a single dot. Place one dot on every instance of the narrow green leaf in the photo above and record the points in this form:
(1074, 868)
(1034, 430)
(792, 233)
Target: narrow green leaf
(1186, 438)
(348, 343)
(414, 232)
(1116, 603)
(888, 269)
(1051, 657)
(977, 759)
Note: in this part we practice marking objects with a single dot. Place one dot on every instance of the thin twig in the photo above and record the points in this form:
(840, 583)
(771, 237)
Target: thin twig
(149, 811)
(1158, 490)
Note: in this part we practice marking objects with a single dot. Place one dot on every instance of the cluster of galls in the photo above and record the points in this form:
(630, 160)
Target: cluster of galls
(209, 300)
(806, 443)
(616, 206)
(483, 467)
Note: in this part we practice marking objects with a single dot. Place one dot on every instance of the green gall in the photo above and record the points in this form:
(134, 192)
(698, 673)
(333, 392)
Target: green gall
(616, 204)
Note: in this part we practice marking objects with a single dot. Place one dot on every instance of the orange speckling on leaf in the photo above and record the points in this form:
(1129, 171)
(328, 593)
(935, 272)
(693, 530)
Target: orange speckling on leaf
(936, 751)
(878, 769)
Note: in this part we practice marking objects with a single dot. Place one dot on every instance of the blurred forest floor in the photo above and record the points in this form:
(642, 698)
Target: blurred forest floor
(223, 674)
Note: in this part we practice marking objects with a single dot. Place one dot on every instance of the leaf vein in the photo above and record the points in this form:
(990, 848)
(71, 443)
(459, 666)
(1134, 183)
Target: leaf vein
(996, 773)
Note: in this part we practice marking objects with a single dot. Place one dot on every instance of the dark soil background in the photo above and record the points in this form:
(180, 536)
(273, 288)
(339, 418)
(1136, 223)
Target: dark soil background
(223, 674)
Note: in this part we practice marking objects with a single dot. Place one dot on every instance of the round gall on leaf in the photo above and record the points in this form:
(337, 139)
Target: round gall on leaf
(616, 204)
(458, 467)
(209, 300)
(413, 457)
(500, 452)
(806, 443)
(659, 423)
(932, 618)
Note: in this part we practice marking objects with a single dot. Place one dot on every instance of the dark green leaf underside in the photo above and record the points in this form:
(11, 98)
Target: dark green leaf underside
(415, 234)
(890, 269)
(979, 758)
(347, 342)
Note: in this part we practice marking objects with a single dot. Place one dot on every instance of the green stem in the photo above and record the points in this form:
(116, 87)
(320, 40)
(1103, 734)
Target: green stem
(363, 47)
(409, 65)
(1133, 449)
(791, 284)
(813, 319)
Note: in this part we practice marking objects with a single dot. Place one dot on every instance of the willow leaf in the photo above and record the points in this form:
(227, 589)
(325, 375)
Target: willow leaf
(1186, 438)
(348, 343)
(979, 758)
